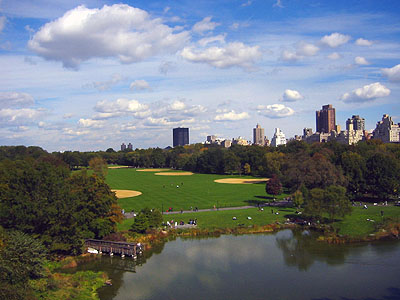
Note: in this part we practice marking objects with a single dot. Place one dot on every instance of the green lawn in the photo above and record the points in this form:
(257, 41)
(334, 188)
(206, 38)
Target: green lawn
(356, 225)
(223, 218)
(198, 190)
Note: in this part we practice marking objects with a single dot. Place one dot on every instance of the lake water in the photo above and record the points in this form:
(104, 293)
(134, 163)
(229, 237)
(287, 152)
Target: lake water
(284, 265)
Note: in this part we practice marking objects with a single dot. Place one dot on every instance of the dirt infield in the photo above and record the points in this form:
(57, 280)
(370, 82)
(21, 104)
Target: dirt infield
(126, 193)
(152, 170)
(241, 180)
(118, 167)
(174, 173)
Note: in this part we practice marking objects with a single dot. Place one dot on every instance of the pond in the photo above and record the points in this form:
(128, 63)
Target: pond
(285, 265)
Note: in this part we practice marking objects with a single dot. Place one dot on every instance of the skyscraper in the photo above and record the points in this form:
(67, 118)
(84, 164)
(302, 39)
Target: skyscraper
(326, 120)
(180, 136)
(123, 147)
(355, 123)
(258, 135)
(278, 138)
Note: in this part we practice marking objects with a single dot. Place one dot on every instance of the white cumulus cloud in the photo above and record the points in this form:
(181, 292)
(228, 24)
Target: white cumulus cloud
(232, 116)
(291, 96)
(20, 117)
(306, 49)
(120, 30)
(140, 85)
(335, 39)
(275, 111)
(359, 60)
(15, 99)
(363, 42)
(205, 25)
(366, 93)
(118, 108)
(90, 123)
(233, 54)
(393, 74)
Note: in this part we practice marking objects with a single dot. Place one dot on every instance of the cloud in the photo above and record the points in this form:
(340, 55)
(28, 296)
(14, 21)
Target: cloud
(218, 38)
(361, 61)
(393, 74)
(118, 108)
(90, 123)
(363, 42)
(120, 30)
(15, 99)
(275, 111)
(366, 93)
(306, 49)
(233, 54)
(335, 39)
(204, 25)
(302, 49)
(140, 85)
(234, 26)
(162, 122)
(232, 116)
(177, 105)
(248, 3)
(334, 56)
(105, 85)
(18, 117)
(291, 96)
(2, 23)
(278, 4)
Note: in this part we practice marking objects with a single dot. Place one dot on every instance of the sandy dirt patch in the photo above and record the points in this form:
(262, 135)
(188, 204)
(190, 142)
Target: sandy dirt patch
(118, 167)
(152, 170)
(126, 193)
(241, 180)
(175, 173)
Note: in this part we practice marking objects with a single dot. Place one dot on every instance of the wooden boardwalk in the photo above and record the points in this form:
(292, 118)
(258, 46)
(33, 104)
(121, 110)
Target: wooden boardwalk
(110, 247)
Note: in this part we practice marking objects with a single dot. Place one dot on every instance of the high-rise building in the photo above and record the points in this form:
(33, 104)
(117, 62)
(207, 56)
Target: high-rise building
(258, 135)
(355, 123)
(278, 138)
(130, 146)
(211, 139)
(387, 131)
(326, 120)
(123, 147)
(180, 136)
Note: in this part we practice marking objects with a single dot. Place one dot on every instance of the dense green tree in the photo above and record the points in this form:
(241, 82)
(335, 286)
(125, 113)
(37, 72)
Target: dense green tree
(383, 175)
(336, 202)
(140, 224)
(354, 168)
(298, 198)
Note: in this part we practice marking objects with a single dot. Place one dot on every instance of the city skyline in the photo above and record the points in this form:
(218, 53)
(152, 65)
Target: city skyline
(217, 68)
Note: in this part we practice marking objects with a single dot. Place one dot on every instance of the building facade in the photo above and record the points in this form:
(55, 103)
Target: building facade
(326, 119)
(387, 131)
(278, 138)
(123, 147)
(355, 123)
(180, 136)
(258, 135)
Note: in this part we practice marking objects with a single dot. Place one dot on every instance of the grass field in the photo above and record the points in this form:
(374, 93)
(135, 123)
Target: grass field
(223, 218)
(197, 190)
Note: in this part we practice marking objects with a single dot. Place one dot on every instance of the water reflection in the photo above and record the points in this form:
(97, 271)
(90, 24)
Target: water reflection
(286, 265)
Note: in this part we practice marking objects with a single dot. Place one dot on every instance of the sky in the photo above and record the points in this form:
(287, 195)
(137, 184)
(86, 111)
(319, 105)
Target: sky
(88, 75)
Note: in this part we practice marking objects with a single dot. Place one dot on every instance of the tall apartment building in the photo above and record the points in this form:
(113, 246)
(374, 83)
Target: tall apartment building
(130, 146)
(258, 135)
(180, 136)
(387, 131)
(326, 119)
(278, 138)
(123, 147)
(355, 123)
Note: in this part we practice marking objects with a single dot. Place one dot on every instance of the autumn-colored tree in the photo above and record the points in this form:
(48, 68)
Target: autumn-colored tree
(273, 186)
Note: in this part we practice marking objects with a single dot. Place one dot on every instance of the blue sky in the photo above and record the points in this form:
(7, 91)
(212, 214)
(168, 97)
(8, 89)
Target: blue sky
(89, 75)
